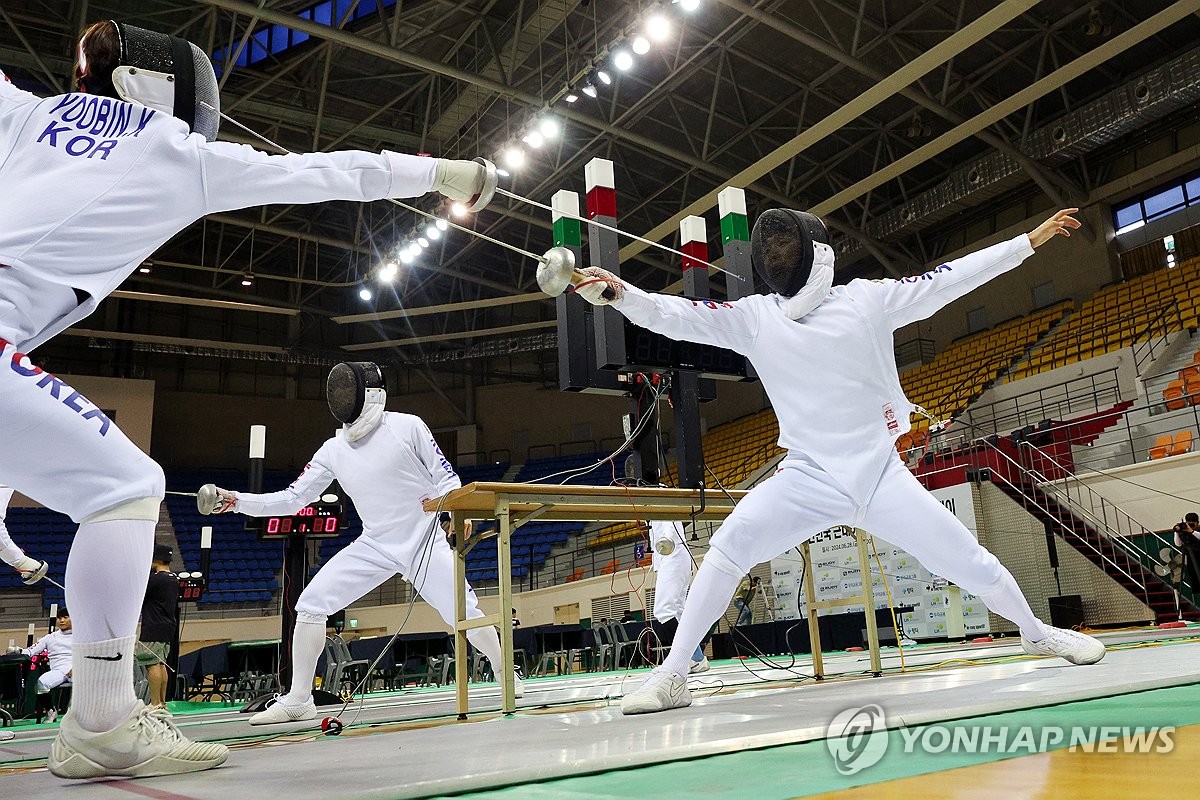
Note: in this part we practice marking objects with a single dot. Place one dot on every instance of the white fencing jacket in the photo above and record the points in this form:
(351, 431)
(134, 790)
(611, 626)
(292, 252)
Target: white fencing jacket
(389, 474)
(57, 646)
(92, 186)
(831, 376)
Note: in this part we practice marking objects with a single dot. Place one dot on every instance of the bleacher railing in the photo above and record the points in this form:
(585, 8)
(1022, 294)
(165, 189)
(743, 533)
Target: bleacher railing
(1154, 337)
(1126, 559)
(1076, 396)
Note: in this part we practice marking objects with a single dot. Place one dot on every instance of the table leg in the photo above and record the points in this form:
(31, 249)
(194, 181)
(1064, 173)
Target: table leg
(864, 566)
(810, 599)
(461, 648)
(504, 551)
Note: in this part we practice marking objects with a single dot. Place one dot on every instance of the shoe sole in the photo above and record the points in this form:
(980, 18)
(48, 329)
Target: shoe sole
(303, 718)
(80, 766)
(648, 708)
(1030, 649)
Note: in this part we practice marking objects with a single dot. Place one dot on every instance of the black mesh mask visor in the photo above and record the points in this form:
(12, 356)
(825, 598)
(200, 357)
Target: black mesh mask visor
(346, 388)
(192, 94)
(781, 248)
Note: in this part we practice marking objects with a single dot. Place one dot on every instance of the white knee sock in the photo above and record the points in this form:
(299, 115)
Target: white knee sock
(487, 641)
(707, 600)
(308, 641)
(1010, 603)
(107, 573)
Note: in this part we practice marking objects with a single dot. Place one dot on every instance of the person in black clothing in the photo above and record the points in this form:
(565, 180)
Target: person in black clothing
(160, 618)
(1187, 538)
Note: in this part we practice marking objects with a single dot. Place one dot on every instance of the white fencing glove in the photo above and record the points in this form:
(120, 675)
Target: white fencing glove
(599, 287)
(31, 569)
(473, 183)
(213, 500)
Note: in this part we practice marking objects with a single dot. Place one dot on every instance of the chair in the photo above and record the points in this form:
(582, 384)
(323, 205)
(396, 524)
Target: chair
(1162, 447)
(576, 575)
(604, 651)
(1191, 391)
(610, 567)
(1173, 395)
(621, 644)
(1182, 443)
(340, 665)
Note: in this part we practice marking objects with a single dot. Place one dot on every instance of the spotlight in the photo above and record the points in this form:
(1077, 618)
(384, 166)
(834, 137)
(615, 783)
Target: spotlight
(604, 77)
(689, 5)
(571, 97)
(144, 269)
(414, 249)
(441, 225)
(514, 157)
(364, 293)
(423, 242)
(658, 27)
(388, 271)
(534, 139)
(406, 257)
(640, 45)
(549, 127)
(622, 60)
(589, 89)
(458, 210)
(433, 233)
(503, 173)
(248, 279)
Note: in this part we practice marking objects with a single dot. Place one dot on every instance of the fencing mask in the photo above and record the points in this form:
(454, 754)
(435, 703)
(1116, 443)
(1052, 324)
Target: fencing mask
(783, 248)
(351, 387)
(168, 74)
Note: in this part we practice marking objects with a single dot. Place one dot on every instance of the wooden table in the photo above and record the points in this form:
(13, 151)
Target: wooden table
(514, 504)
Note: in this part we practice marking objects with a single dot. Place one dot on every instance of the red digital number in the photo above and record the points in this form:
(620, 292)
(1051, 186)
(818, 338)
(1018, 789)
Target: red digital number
(308, 511)
(331, 525)
(273, 525)
(285, 525)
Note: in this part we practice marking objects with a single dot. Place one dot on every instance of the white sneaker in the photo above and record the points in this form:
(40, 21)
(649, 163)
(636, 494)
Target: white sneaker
(31, 570)
(279, 711)
(662, 690)
(518, 686)
(1076, 647)
(699, 666)
(145, 744)
(51, 715)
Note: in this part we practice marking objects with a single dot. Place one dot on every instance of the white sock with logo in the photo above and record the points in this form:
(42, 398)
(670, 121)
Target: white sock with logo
(107, 573)
(707, 600)
(1010, 603)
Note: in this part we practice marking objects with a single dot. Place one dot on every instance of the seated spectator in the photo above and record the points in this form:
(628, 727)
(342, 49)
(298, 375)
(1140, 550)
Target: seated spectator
(57, 646)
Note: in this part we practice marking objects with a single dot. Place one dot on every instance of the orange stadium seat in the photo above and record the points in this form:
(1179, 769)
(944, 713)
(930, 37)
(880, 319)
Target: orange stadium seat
(1173, 395)
(576, 575)
(1182, 443)
(610, 567)
(1162, 448)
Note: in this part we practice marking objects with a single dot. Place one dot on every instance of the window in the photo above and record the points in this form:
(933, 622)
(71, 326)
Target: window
(1156, 203)
(275, 40)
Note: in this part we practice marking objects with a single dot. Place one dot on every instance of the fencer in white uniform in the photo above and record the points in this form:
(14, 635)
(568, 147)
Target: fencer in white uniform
(389, 465)
(94, 182)
(672, 564)
(31, 569)
(57, 647)
(825, 358)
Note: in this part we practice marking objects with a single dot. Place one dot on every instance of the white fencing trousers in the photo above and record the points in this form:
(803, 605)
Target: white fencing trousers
(50, 679)
(801, 500)
(62, 451)
(671, 585)
(361, 566)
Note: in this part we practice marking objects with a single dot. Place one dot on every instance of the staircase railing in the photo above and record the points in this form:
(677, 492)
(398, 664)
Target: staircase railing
(1121, 560)
(1102, 514)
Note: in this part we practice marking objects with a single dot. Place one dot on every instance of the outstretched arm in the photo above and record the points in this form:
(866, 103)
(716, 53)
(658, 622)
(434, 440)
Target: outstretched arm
(918, 297)
(306, 489)
(730, 325)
